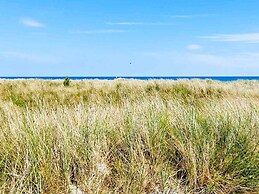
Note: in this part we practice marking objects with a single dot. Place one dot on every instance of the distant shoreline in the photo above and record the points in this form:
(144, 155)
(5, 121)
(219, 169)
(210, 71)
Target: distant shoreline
(216, 78)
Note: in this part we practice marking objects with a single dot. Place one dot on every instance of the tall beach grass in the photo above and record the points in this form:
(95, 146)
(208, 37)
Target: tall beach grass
(129, 136)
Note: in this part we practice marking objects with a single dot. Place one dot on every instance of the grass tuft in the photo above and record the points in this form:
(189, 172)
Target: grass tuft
(128, 136)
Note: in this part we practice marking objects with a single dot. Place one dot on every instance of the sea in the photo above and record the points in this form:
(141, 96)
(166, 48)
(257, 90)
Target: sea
(217, 78)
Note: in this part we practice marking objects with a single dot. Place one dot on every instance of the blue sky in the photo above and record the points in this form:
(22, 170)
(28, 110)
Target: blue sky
(129, 37)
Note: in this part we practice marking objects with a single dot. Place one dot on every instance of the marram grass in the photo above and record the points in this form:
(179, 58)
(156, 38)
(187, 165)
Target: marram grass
(128, 136)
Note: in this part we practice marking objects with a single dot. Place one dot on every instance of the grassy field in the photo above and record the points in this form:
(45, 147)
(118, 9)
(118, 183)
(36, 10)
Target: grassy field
(129, 136)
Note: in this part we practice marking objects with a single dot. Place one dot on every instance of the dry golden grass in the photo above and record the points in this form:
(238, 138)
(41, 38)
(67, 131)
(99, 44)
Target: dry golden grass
(129, 136)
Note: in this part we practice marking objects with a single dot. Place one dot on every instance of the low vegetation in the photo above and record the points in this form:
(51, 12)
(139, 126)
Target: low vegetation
(129, 136)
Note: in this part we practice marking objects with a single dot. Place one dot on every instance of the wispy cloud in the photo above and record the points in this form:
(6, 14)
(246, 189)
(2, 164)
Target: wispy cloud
(152, 53)
(125, 23)
(190, 15)
(194, 47)
(28, 22)
(138, 23)
(247, 38)
(182, 16)
(17, 55)
(234, 60)
(106, 31)
(237, 60)
(29, 57)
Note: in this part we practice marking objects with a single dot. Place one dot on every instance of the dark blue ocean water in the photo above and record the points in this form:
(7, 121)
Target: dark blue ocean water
(218, 78)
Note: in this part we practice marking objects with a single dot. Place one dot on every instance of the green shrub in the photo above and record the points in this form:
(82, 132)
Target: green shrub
(67, 81)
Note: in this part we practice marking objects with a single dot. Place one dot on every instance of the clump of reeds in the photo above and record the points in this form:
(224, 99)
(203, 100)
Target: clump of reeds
(128, 136)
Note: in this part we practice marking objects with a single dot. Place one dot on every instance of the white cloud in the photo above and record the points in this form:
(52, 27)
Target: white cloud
(28, 57)
(107, 31)
(31, 23)
(193, 47)
(232, 61)
(17, 55)
(246, 38)
(187, 63)
(190, 16)
(152, 54)
(138, 23)
(237, 60)
(182, 16)
(125, 23)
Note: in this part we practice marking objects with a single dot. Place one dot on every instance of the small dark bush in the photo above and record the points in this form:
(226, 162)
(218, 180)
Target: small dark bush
(66, 82)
